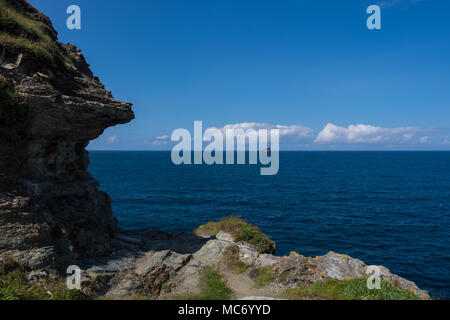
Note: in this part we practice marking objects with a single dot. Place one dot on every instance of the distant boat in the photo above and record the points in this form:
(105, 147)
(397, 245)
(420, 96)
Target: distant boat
(267, 151)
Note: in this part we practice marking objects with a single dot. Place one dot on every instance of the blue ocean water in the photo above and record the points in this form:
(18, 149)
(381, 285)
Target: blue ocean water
(389, 208)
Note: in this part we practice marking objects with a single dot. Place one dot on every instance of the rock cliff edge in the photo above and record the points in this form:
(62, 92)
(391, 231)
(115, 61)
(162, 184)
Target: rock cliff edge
(51, 106)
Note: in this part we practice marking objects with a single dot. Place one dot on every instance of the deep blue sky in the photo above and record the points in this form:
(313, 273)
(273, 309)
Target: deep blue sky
(292, 62)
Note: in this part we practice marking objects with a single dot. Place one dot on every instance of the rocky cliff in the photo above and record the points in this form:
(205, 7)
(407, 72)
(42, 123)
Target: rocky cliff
(51, 106)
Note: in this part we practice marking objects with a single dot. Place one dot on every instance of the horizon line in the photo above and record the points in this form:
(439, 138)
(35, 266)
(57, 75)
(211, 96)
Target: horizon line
(382, 150)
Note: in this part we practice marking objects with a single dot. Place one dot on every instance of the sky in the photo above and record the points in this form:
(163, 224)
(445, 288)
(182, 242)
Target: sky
(311, 68)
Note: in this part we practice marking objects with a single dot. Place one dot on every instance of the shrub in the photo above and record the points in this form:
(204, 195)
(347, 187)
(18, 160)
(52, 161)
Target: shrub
(241, 231)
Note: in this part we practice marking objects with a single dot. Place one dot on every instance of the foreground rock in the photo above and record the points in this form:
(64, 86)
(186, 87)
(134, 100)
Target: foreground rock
(164, 265)
(51, 107)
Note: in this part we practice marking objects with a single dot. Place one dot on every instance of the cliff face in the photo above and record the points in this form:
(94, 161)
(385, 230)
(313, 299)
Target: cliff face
(51, 106)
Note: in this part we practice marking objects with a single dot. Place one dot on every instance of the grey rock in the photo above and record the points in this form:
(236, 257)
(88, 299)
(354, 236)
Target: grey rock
(265, 260)
(340, 266)
(247, 254)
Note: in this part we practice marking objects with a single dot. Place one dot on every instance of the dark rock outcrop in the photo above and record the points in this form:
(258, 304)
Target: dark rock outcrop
(51, 106)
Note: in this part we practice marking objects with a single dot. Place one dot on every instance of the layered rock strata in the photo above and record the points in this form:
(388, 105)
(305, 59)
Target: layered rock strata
(51, 107)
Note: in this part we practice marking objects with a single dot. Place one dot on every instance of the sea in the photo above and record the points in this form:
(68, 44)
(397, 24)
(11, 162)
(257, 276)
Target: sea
(385, 208)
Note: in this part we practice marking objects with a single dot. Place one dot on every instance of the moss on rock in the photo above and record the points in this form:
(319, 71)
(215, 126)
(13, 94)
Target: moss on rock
(241, 232)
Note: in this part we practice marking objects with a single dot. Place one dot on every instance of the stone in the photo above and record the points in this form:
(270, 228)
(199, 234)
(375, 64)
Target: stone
(225, 236)
(340, 266)
(44, 130)
(247, 254)
(265, 260)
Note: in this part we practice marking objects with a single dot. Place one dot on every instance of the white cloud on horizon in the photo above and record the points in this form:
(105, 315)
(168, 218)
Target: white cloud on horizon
(161, 140)
(285, 131)
(425, 139)
(362, 133)
(446, 141)
(334, 136)
(111, 139)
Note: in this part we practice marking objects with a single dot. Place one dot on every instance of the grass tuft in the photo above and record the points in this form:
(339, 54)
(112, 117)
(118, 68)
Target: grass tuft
(241, 232)
(24, 34)
(215, 288)
(231, 256)
(264, 276)
(355, 289)
(7, 96)
(14, 286)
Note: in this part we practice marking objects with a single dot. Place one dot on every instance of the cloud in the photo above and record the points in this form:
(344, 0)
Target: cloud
(111, 139)
(294, 131)
(424, 139)
(161, 140)
(299, 137)
(363, 133)
(446, 141)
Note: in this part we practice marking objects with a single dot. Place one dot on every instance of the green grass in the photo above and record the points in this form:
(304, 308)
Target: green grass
(264, 276)
(231, 257)
(26, 35)
(14, 286)
(355, 289)
(241, 232)
(6, 94)
(215, 288)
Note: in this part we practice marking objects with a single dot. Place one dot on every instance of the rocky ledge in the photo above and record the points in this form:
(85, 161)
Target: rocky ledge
(161, 265)
(157, 265)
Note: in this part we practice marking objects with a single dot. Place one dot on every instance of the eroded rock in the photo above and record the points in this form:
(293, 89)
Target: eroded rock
(50, 208)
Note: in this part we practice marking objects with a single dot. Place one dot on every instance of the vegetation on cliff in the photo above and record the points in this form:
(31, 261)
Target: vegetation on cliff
(15, 286)
(241, 232)
(6, 94)
(24, 32)
(231, 258)
(214, 288)
(264, 276)
(355, 289)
